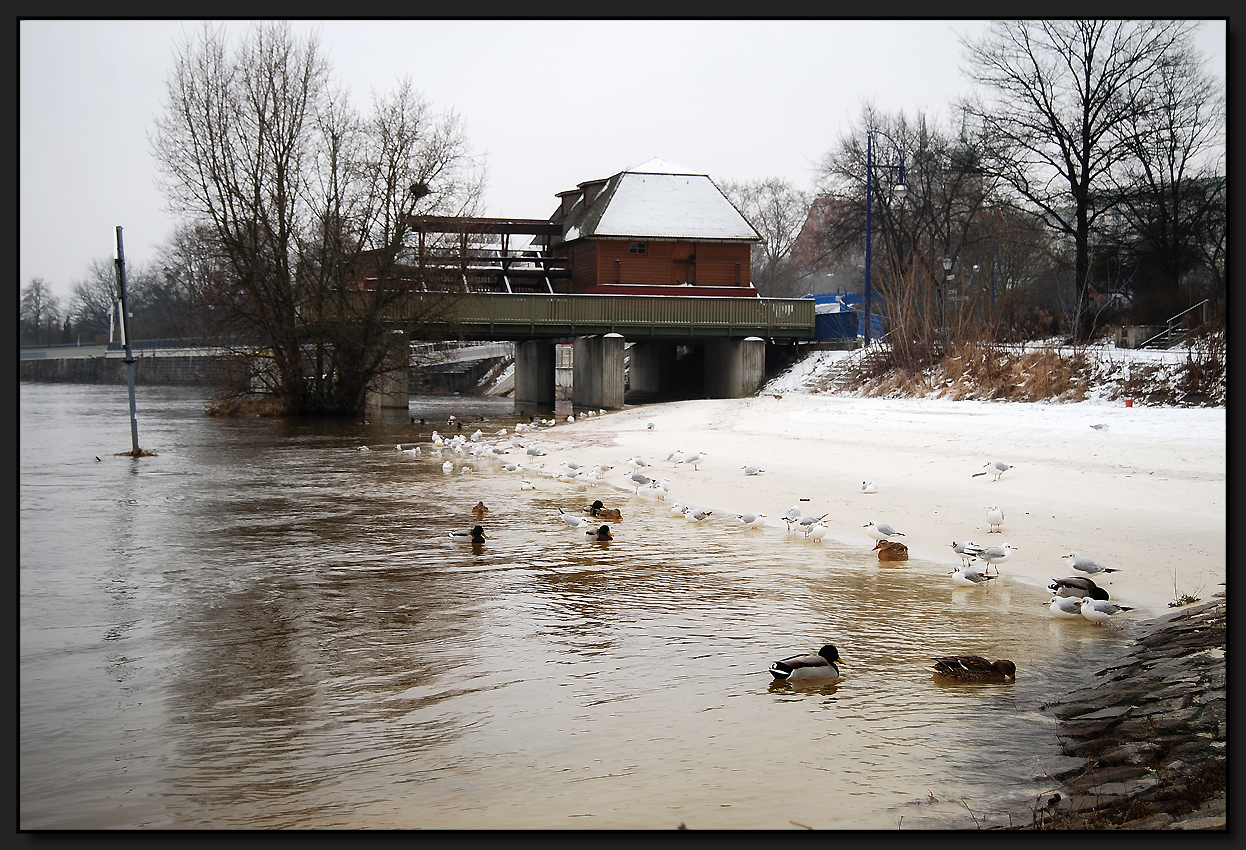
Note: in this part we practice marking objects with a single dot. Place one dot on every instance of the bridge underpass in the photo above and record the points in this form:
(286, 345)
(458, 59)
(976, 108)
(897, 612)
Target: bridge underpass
(580, 340)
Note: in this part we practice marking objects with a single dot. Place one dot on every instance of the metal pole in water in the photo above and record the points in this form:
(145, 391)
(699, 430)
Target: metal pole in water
(125, 333)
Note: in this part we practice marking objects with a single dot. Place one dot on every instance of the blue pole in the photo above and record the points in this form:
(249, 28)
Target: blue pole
(869, 202)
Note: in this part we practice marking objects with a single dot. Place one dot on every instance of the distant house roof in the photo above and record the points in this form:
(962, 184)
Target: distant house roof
(654, 200)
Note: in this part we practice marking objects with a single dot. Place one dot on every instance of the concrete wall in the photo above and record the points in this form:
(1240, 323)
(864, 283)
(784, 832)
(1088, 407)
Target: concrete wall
(174, 371)
(534, 375)
(734, 368)
(598, 369)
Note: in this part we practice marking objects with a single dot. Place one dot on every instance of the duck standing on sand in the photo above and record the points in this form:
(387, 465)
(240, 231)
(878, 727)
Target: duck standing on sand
(974, 668)
(796, 668)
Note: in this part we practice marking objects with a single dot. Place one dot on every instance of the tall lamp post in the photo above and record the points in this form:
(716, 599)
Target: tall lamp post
(943, 295)
(900, 192)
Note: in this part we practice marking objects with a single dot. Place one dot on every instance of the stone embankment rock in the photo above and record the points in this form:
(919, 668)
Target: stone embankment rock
(1154, 735)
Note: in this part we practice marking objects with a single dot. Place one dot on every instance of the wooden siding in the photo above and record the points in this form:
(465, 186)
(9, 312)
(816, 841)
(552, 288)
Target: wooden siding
(597, 262)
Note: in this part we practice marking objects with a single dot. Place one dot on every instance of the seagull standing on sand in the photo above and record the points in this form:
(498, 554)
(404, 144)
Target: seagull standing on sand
(869, 487)
(640, 480)
(997, 468)
(636, 463)
(996, 555)
(1087, 566)
(995, 517)
(749, 469)
(881, 530)
(967, 549)
(663, 486)
(694, 459)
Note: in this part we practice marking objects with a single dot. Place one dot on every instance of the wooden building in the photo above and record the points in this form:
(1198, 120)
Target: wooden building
(651, 230)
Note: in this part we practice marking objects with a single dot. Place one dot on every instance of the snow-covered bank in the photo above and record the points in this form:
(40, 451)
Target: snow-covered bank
(1144, 494)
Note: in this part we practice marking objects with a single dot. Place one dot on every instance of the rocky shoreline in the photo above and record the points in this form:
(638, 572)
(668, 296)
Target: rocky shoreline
(1153, 735)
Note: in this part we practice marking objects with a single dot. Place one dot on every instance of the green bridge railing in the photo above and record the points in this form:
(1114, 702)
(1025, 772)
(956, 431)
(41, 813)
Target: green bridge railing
(505, 316)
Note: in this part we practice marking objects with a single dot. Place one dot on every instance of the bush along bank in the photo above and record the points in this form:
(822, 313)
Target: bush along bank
(1154, 735)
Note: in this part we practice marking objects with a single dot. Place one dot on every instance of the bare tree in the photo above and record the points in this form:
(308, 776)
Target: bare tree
(39, 316)
(777, 211)
(308, 202)
(95, 298)
(1057, 91)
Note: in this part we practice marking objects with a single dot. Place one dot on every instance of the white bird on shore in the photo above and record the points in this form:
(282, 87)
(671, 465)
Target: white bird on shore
(525, 484)
(995, 517)
(969, 577)
(535, 452)
(997, 468)
(697, 515)
(793, 514)
(1087, 566)
(640, 480)
(447, 466)
(752, 520)
(869, 487)
(749, 469)
(694, 459)
(1099, 611)
(817, 531)
(1065, 607)
(967, 550)
(805, 523)
(996, 555)
(674, 457)
(649, 427)
(663, 486)
(511, 467)
(881, 530)
(636, 463)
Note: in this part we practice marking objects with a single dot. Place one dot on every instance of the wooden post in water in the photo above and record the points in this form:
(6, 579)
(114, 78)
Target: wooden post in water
(125, 333)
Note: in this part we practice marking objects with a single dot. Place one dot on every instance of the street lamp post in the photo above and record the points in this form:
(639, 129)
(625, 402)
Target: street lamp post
(943, 296)
(900, 191)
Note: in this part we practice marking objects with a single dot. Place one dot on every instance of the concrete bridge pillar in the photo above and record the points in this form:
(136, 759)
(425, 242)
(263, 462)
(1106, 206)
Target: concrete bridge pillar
(534, 376)
(391, 389)
(734, 368)
(652, 368)
(598, 372)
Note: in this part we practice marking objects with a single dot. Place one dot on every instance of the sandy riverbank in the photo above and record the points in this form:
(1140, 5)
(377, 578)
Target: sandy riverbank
(1146, 494)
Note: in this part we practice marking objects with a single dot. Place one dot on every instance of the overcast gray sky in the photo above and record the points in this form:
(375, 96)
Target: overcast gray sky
(548, 103)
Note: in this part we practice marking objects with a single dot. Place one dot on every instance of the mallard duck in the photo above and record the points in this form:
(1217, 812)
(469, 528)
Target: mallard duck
(476, 535)
(796, 668)
(1099, 611)
(974, 668)
(1077, 586)
(601, 535)
(597, 509)
(890, 550)
(881, 530)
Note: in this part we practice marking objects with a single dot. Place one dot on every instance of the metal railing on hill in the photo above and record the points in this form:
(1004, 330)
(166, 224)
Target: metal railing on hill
(1177, 327)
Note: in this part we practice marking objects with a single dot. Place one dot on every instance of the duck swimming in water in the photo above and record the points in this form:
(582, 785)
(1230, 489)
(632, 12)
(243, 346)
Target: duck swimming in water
(476, 535)
(974, 668)
(797, 668)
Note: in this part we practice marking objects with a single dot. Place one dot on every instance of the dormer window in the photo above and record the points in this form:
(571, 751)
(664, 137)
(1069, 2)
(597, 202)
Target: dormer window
(636, 247)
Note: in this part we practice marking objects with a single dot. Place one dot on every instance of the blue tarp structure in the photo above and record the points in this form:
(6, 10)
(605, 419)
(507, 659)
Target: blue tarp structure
(841, 315)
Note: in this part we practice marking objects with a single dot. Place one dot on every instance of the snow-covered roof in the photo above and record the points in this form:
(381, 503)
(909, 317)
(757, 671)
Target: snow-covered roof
(659, 200)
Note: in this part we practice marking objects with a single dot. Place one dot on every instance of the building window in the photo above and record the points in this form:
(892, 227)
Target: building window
(636, 247)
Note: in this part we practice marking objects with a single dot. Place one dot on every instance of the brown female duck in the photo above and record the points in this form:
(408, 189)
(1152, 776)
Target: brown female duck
(974, 668)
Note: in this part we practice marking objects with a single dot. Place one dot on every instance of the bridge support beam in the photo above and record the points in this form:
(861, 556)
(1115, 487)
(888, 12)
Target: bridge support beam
(534, 376)
(598, 372)
(391, 389)
(734, 368)
(652, 368)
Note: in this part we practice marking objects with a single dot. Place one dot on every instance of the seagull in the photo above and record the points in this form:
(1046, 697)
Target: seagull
(807, 522)
(525, 484)
(699, 516)
(995, 517)
(996, 555)
(572, 520)
(792, 515)
(511, 467)
(881, 530)
(869, 487)
(1087, 566)
(967, 550)
(1100, 427)
(694, 459)
(997, 468)
(1099, 611)
(802, 667)
(1076, 587)
(752, 520)
(817, 531)
(969, 577)
(570, 465)
(535, 452)
(663, 486)
(447, 466)
(1065, 607)
(749, 469)
(476, 535)
(640, 480)
(636, 463)
(649, 427)
(675, 456)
